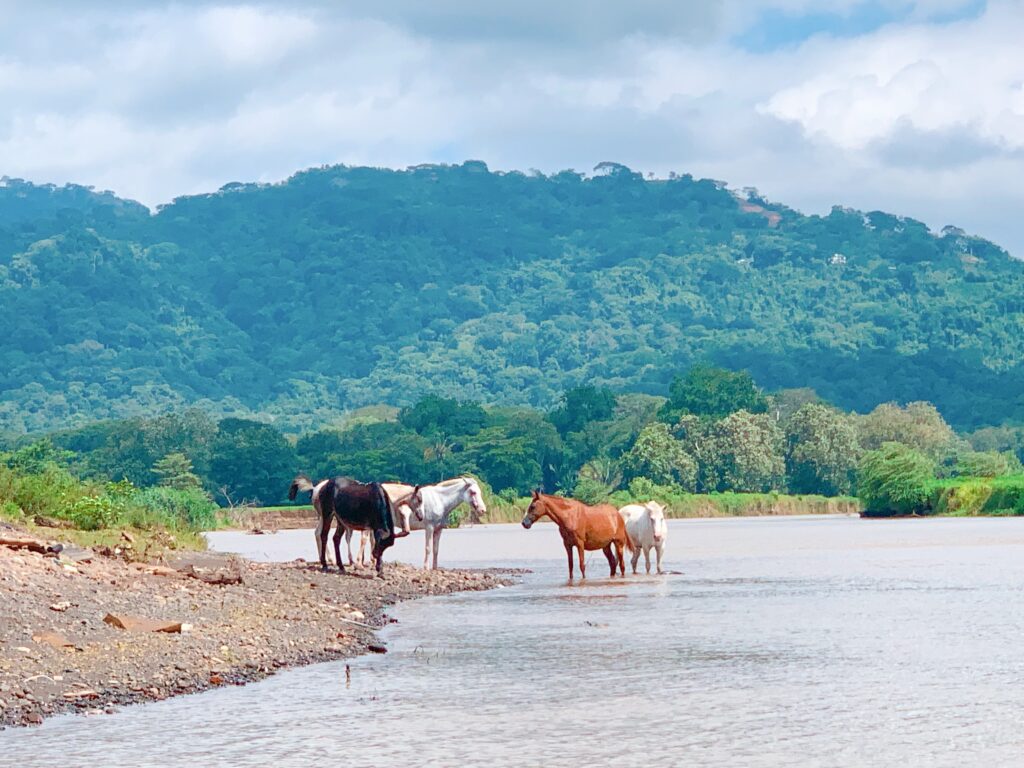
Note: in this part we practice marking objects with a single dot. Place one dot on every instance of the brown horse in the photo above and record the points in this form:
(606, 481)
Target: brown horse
(583, 527)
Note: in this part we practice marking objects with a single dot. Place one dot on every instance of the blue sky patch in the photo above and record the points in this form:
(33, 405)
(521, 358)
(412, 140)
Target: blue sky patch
(774, 30)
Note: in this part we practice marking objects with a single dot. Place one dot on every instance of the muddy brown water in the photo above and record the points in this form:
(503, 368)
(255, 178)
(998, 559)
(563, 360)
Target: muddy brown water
(783, 641)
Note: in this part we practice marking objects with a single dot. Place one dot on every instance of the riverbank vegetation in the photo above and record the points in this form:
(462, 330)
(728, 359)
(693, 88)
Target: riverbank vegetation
(714, 444)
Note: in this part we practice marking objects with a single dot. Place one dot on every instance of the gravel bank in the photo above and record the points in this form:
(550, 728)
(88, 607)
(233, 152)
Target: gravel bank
(58, 654)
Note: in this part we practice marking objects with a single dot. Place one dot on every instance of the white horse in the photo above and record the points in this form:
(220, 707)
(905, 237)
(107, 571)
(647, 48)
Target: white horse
(430, 506)
(646, 527)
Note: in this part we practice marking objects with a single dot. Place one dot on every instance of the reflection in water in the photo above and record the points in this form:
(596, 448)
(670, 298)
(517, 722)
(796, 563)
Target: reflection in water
(811, 642)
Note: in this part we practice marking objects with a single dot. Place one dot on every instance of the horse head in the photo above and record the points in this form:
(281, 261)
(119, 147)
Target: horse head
(657, 514)
(537, 509)
(476, 497)
(414, 501)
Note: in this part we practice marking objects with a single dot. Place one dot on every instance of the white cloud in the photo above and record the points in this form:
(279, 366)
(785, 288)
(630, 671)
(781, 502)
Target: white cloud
(916, 117)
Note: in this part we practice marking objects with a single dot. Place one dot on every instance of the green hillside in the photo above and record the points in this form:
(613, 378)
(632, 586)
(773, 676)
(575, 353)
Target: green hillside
(350, 286)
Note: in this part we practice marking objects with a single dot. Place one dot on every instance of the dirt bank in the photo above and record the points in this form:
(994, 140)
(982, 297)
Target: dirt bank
(58, 654)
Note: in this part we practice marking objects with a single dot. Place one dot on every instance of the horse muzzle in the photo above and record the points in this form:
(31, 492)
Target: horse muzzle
(527, 522)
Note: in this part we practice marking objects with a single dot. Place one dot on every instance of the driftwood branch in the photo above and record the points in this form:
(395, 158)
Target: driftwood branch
(33, 545)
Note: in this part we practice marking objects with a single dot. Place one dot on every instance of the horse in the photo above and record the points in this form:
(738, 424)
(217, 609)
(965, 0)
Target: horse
(646, 527)
(431, 505)
(584, 527)
(396, 492)
(356, 506)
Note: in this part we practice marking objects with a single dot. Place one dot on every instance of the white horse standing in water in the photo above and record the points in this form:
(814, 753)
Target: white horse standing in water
(646, 527)
(430, 506)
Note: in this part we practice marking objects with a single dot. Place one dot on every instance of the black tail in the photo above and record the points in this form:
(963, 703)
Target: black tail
(300, 483)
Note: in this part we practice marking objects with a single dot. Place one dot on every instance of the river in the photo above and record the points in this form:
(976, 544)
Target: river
(780, 641)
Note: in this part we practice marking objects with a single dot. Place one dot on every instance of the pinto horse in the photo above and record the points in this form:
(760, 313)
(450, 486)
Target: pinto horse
(356, 506)
(586, 528)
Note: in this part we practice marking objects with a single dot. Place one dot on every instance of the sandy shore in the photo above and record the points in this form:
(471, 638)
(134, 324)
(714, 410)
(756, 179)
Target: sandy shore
(58, 654)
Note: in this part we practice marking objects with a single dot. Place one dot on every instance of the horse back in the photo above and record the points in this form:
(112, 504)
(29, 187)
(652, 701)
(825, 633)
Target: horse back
(603, 525)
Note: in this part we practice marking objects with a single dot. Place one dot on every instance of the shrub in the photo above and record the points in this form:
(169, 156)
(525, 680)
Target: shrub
(93, 513)
(895, 479)
(176, 508)
(1007, 496)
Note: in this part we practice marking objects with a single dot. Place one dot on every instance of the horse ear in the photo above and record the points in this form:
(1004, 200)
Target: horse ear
(536, 493)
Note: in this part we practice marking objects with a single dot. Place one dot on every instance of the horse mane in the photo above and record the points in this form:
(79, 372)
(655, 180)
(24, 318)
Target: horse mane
(455, 480)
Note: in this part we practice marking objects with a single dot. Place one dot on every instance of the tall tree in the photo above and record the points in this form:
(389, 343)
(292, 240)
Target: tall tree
(712, 392)
(749, 448)
(658, 456)
(252, 462)
(821, 451)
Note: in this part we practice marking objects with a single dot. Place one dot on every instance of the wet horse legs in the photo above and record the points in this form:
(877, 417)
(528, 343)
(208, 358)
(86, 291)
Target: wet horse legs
(611, 557)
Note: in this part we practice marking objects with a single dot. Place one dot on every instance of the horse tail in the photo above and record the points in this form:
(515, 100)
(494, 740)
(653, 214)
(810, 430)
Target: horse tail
(384, 506)
(630, 546)
(301, 484)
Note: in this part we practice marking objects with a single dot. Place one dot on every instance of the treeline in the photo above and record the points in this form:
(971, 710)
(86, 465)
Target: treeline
(715, 432)
(345, 287)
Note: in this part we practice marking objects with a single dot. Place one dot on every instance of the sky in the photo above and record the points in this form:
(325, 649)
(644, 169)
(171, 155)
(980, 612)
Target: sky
(912, 107)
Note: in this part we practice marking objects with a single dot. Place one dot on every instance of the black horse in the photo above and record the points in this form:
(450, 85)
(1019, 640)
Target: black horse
(356, 506)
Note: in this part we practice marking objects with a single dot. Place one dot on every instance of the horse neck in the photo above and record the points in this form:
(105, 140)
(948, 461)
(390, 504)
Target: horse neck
(563, 518)
(452, 495)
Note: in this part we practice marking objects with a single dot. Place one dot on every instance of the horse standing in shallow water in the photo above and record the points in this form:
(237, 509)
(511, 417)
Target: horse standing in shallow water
(646, 527)
(432, 504)
(586, 528)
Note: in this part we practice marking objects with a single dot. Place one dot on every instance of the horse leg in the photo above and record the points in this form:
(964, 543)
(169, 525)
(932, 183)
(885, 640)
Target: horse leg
(658, 549)
(380, 556)
(636, 558)
(583, 559)
(348, 544)
(338, 533)
(367, 548)
(428, 538)
(611, 557)
(321, 541)
(568, 551)
(437, 543)
(647, 558)
(622, 558)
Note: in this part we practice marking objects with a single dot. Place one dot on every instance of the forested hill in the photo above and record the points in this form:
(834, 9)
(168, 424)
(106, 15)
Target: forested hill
(348, 286)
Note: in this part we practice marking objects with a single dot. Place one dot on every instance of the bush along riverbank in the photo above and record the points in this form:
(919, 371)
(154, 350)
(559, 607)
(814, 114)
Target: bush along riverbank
(81, 632)
(898, 481)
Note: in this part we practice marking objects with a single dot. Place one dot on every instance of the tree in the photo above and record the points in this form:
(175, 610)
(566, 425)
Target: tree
(821, 451)
(712, 392)
(582, 405)
(918, 425)
(698, 439)
(658, 456)
(596, 480)
(749, 452)
(175, 471)
(252, 461)
(987, 464)
(505, 462)
(438, 417)
(894, 479)
(786, 402)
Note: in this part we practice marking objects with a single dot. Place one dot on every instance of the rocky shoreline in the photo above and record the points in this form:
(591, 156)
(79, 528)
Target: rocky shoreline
(196, 623)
